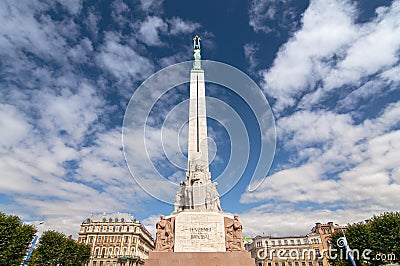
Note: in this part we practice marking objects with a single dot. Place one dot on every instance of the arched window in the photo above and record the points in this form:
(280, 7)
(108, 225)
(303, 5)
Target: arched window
(133, 252)
(116, 251)
(104, 220)
(122, 220)
(110, 220)
(110, 252)
(124, 252)
(116, 220)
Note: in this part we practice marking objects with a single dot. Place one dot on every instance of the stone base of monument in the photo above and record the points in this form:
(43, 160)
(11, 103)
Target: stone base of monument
(236, 258)
(199, 232)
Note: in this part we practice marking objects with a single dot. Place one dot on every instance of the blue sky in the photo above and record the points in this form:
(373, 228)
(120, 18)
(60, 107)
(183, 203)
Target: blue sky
(329, 69)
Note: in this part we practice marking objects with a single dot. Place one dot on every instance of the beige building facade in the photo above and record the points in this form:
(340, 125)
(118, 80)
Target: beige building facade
(116, 239)
(308, 250)
(288, 251)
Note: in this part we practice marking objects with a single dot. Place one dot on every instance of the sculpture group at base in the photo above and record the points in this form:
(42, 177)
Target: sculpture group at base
(233, 234)
(165, 235)
(184, 198)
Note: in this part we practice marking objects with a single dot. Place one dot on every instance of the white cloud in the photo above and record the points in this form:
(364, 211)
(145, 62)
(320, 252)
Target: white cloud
(263, 14)
(283, 220)
(150, 29)
(122, 60)
(151, 5)
(13, 125)
(179, 26)
(59, 158)
(250, 50)
(327, 28)
(336, 161)
(331, 50)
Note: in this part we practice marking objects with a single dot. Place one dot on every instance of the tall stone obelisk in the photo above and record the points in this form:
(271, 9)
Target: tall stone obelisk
(198, 232)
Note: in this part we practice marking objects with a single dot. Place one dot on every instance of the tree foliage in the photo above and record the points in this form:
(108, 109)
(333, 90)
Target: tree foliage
(55, 248)
(378, 238)
(15, 238)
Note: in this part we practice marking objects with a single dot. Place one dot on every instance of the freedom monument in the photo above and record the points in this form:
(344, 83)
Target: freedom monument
(198, 232)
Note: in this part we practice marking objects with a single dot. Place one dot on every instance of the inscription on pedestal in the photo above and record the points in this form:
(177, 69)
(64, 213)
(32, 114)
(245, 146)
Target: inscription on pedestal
(199, 232)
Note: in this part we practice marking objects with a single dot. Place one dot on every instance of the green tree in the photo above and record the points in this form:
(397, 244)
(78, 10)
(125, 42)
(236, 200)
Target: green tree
(380, 235)
(15, 238)
(55, 248)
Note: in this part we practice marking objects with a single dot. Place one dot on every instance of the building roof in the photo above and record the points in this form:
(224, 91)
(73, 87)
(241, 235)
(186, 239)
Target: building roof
(111, 217)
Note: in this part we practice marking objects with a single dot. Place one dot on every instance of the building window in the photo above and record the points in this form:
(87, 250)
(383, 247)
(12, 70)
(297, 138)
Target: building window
(120, 228)
(96, 253)
(91, 239)
(276, 263)
(292, 242)
(133, 239)
(303, 263)
(287, 253)
(122, 220)
(101, 263)
(269, 263)
(126, 239)
(105, 239)
(296, 263)
(98, 239)
(124, 252)
(127, 228)
(283, 263)
(310, 263)
(118, 239)
(317, 252)
(298, 242)
(258, 244)
(279, 242)
(289, 263)
(116, 251)
(103, 253)
(111, 239)
(273, 242)
(110, 252)
(135, 229)
(94, 263)
(320, 263)
(113, 228)
(286, 242)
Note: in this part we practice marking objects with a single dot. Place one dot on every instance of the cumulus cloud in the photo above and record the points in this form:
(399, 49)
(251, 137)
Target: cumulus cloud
(179, 26)
(331, 50)
(250, 50)
(336, 161)
(122, 60)
(150, 30)
(271, 15)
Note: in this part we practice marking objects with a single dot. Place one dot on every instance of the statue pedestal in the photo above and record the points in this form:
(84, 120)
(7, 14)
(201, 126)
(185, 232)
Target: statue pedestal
(199, 232)
(236, 258)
